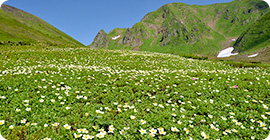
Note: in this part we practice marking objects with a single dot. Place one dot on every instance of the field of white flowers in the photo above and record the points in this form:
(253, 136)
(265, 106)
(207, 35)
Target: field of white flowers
(81, 93)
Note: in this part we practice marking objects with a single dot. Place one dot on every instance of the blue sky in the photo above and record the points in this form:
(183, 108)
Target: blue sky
(82, 19)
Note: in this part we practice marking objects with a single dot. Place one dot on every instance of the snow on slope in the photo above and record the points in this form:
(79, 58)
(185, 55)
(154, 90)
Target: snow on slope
(116, 37)
(227, 52)
(254, 55)
(2, 1)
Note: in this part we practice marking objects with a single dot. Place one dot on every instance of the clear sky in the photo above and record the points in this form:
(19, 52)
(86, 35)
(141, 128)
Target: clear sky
(82, 19)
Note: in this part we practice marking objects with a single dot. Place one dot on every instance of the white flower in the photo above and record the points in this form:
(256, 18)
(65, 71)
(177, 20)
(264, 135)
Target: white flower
(45, 125)
(160, 129)
(232, 113)
(99, 111)
(46, 139)
(142, 131)
(160, 105)
(153, 131)
(187, 131)
(143, 121)
(11, 127)
(85, 137)
(173, 114)
(80, 130)
(263, 116)
(2, 122)
(55, 124)
(224, 118)
(152, 134)
(84, 130)
(262, 124)
(126, 128)
(23, 121)
(203, 134)
(110, 130)
(162, 132)
(28, 109)
(122, 132)
(111, 127)
(174, 129)
(34, 124)
(67, 126)
(132, 117)
(77, 135)
(100, 135)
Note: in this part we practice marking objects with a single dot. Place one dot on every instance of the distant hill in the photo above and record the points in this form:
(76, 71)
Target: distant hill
(178, 28)
(19, 27)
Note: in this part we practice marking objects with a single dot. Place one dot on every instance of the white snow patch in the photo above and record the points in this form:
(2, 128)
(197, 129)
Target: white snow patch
(233, 39)
(116, 37)
(226, 52)
(2, 1)
(268, 2)
(254, 55)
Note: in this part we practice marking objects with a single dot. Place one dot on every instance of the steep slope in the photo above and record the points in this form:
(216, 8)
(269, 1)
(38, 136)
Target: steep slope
(256, 37)
(19, 27)
(179, 28)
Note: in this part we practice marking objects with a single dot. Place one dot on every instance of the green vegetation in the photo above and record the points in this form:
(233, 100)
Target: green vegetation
(256, 37)
(21, 28)
(64, 93)
(51, 87)
(178, 28)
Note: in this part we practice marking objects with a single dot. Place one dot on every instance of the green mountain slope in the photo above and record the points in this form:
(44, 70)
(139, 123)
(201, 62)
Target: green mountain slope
(17, 26)
(179, 28)
(256, 37)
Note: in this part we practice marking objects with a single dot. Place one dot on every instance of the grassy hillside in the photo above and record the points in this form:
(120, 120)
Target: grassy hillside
(19, 27)
(68, 93)
(256, 37)
(179, 28)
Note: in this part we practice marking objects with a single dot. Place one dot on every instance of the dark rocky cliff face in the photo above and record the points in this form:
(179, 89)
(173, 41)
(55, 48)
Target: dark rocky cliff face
(101, 39)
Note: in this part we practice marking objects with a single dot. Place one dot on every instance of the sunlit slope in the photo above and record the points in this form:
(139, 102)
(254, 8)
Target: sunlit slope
(19, 26)
(256, 37)
(179, 28)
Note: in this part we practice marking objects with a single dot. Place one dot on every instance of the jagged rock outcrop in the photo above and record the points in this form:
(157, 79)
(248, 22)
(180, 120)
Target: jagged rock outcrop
(132, 39)
(101, 39)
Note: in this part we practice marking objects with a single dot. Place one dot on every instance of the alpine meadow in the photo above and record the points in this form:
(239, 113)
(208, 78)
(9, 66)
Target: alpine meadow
(160, 79)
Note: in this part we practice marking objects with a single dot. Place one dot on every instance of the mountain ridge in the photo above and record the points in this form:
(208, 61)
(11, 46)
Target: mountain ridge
(179, 28)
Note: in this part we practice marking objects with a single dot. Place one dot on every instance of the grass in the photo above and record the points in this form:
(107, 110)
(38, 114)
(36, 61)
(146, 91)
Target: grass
(128, 95)
(18, 26)
(256, 37)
